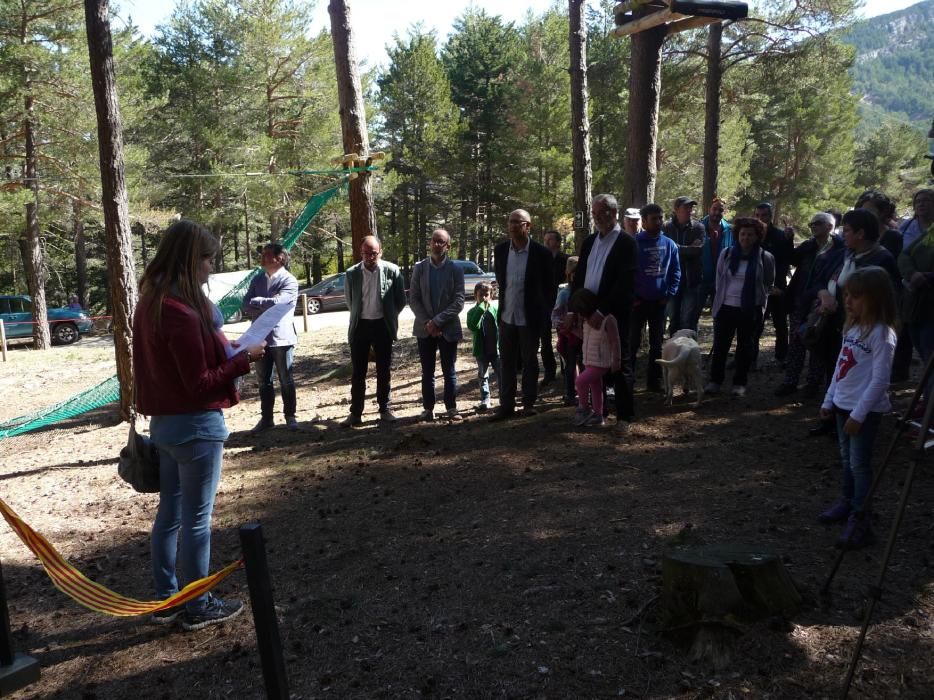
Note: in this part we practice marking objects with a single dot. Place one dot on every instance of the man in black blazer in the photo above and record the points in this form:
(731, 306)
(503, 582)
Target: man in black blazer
(607, 267)
(523, 273)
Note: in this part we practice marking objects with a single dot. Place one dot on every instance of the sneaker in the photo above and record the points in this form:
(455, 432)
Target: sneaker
(739, 391)
(351, 421)
(857, 532)
(426, 415)
(596, 421)
(837, 513)
(570, 400)
(582, 415)
(483, 408)
(785, 389)
(453, 415)
(529, 411)
(214, 612)
(264, 424)
(712, 388)
(291, 423)
(167, 616)
(387, 416)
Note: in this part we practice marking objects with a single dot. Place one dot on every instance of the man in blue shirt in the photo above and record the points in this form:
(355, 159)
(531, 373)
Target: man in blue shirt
(276, 286)
(658, 275)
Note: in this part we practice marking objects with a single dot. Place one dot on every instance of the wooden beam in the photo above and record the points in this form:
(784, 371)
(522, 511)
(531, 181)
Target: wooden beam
(653, 20)
(689, 23)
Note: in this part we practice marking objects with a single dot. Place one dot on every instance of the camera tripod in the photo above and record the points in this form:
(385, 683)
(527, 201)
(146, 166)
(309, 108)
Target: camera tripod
(920, 444)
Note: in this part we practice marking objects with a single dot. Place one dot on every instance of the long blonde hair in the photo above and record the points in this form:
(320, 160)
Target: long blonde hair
(175, 270)
(873, 285)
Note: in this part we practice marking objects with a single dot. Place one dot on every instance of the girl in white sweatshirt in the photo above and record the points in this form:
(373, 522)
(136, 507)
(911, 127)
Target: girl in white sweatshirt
(858, 394)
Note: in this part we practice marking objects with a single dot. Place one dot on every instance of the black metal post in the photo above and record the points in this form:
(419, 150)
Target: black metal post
(264, 611)
(16, 670)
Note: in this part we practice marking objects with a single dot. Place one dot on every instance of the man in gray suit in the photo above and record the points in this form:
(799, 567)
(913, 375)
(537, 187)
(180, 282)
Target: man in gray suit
(276, 286)
(375, 295)
(437, 297)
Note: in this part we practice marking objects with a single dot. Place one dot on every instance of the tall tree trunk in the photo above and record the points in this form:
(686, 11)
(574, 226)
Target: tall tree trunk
(645, 84)
(353, 123)
(246, 234)
(81, 255)
(712, 115)
(340, 248)
(122, 278)
(315, 268)
(33, 256)
(580, 124)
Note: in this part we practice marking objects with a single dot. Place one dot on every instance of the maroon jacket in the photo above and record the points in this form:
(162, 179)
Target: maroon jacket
(182, 368)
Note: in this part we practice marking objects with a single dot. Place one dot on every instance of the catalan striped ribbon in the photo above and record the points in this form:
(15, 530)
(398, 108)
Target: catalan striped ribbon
(92, 595)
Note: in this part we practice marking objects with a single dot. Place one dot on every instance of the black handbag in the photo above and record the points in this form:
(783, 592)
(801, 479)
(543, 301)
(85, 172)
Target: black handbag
(139, 462)
(814, 327)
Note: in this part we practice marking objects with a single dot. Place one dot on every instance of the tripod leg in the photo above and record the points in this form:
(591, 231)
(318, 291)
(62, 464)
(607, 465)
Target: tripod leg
(875, 592)
(900, 427)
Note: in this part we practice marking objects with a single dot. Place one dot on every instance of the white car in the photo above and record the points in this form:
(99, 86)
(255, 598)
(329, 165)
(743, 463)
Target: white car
(473, 273)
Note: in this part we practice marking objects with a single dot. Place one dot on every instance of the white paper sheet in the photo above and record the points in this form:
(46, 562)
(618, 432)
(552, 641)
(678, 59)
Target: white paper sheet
(261, 327)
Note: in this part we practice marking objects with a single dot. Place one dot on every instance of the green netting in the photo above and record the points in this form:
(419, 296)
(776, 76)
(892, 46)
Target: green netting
(108, 391)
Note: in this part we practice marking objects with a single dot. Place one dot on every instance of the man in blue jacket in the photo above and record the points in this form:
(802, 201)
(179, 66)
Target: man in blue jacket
(277, 286)
(658, 274)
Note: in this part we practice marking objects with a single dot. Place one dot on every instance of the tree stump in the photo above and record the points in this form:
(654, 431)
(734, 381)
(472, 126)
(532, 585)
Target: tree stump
(708, 592)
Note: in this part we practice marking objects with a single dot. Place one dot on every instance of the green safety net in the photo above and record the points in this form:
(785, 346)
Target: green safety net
(108, 391)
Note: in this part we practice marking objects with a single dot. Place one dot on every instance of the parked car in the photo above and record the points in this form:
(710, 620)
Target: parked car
(66, 325)
(473, 273)
(327, 295)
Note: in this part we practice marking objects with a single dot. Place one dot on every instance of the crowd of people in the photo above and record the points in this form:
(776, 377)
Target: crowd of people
(851, 301)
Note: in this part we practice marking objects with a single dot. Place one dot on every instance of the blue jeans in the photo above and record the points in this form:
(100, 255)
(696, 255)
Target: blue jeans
(188, 476)
(683, 310)
(856, 457)
(483, 374)
(428, 349)
(281, 359)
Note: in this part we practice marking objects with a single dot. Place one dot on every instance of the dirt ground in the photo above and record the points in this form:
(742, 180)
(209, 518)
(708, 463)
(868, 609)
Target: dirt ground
(476, 560)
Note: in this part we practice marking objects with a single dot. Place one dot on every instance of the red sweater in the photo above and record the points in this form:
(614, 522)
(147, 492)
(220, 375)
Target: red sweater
(182, 368)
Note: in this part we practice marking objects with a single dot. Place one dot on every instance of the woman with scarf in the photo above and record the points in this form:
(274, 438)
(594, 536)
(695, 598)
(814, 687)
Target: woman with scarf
(745, 278)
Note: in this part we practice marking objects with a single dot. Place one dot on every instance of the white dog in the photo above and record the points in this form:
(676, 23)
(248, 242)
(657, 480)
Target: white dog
(681, 362)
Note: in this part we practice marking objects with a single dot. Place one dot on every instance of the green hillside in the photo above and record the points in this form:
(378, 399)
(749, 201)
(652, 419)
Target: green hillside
(894, 69)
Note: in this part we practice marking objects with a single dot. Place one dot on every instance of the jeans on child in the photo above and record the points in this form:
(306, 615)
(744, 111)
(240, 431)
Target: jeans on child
(188, 477)
(856, 456)
(483, 374)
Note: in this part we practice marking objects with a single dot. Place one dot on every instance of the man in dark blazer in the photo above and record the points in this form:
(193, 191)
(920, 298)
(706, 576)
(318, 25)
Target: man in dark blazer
(607, 267)
(523, 273)
(559, 263)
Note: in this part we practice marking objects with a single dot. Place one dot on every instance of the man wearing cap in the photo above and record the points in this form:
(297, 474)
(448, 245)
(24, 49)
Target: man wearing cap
(689, 235)
(718, 237)
(781, 244)
(559, 262)
(632, 221)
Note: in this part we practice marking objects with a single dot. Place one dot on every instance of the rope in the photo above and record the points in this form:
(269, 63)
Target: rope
(93, 595)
